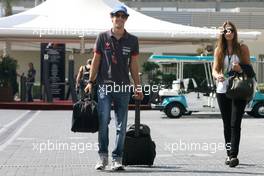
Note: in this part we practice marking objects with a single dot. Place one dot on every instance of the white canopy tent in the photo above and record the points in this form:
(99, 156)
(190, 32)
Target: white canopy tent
(71, 20)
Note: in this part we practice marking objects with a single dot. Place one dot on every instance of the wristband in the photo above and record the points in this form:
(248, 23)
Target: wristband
(90, 82)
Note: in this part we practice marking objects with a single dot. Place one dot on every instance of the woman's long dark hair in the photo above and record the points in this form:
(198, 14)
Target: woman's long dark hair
(222, 46)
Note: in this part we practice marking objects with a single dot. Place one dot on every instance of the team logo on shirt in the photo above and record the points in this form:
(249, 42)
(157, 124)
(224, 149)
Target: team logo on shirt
(126, 50)
(107, 45)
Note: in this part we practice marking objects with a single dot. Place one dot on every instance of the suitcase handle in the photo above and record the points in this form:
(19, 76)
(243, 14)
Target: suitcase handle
(137, 115)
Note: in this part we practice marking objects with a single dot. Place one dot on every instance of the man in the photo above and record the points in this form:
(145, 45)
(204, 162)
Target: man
(30, 81)
(83, 77)
(116, 53)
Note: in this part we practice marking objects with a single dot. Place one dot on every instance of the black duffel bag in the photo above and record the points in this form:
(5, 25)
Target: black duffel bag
(240, 87)
(85, 116)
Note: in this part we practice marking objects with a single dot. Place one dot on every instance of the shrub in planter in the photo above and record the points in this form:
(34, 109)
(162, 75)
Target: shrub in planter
(8, 76)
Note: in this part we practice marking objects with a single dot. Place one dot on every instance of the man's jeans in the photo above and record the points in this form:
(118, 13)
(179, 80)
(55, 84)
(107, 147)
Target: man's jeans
(29, 91)
(120, 101)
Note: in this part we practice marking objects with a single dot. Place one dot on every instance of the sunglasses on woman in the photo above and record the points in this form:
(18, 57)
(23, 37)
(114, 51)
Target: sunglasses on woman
(227, 31)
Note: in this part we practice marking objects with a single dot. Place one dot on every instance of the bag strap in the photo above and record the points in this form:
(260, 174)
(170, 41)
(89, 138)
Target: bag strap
(89, 96)
(229, 57)
(86, 96)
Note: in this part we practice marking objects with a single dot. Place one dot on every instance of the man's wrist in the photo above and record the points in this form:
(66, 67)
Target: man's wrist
(91, 82)
(138, 87)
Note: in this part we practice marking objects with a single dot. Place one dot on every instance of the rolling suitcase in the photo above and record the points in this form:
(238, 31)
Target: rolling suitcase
(139, 149)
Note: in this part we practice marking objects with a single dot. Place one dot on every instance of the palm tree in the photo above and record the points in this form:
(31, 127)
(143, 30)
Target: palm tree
(7, 4)
(8, 7)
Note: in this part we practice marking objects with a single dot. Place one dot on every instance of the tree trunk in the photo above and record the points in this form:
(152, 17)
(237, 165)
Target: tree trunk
(8, 7)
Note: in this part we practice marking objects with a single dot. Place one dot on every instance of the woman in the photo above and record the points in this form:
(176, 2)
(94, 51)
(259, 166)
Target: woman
(30, 81)
(83, 77)
(229, 57)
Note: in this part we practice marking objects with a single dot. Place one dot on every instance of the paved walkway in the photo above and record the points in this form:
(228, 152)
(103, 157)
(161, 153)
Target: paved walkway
(38, 143)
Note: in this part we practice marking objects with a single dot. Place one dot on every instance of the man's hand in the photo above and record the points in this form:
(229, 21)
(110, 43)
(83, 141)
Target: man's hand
(135, 75)
(88, 88)
(138, 95)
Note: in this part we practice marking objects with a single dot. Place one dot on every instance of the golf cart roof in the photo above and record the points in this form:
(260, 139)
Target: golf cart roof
(166, 59)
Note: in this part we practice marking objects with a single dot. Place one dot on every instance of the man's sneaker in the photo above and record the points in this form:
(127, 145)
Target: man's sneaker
(102, 163)
(233, 162)
(117, 166)
(227, 161)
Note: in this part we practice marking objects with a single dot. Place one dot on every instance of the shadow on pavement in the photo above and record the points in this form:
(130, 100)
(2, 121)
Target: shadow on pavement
(203, 116)
(172, 169)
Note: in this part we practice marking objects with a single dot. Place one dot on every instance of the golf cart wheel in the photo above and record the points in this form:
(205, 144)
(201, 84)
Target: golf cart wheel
(259, 110)
(174, 110)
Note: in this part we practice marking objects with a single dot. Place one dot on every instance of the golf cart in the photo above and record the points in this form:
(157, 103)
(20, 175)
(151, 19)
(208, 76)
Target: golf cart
(177, 101)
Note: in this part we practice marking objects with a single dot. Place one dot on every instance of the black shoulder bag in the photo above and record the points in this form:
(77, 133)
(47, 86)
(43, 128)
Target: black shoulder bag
(240, 87)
